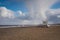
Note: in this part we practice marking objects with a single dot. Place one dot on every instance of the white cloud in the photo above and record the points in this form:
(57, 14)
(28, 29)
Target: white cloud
(20, 13)
(6, 13)
(37, 8)
(31, 22)
(53, 11)
(58, 16)
(53, 16)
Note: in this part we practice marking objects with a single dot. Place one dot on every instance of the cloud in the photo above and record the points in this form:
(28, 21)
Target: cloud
(20, 13)
(31, 22)
(6, 13)
(8, 17)
(36, 11)
(53, 16)
(58, 16)
(38, 8)
(53, 12)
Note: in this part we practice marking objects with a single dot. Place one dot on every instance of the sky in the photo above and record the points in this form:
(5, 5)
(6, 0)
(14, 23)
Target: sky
(31, 12)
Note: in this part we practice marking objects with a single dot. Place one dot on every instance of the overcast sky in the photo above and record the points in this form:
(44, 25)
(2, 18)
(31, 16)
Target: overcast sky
(31, 12)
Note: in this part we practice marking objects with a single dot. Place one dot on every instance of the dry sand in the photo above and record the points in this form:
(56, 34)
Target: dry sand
(34, 33)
